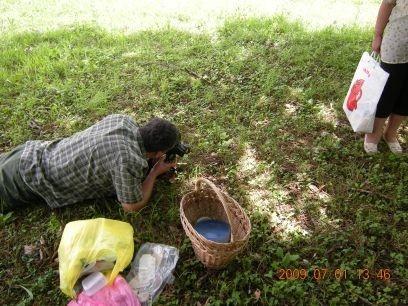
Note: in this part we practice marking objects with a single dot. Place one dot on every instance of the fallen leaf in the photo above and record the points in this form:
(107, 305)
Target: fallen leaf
(257, 294)
(29, 249)
(42, 241)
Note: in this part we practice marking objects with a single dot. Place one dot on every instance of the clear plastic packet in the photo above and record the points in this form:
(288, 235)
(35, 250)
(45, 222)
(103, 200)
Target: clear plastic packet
(151, 270)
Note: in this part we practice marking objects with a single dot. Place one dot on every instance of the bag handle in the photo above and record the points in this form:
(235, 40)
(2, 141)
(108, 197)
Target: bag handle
(198, 186)
(375, 56)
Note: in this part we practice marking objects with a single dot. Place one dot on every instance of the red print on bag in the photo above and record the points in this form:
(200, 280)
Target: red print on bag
(355, 95)
(367, 72)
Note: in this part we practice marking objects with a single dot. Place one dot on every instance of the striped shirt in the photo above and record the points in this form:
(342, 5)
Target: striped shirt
(107, 158)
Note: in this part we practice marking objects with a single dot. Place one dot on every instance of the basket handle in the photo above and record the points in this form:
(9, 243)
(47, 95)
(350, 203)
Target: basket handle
(198, 186)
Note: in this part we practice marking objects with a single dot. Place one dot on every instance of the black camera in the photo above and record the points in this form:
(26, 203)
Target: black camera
(179, 149)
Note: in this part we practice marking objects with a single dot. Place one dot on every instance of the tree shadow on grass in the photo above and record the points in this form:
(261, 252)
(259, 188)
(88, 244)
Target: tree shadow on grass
(261, 106)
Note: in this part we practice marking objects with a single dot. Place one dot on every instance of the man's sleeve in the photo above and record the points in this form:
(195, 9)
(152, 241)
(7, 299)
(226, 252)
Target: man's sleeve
(127, 183)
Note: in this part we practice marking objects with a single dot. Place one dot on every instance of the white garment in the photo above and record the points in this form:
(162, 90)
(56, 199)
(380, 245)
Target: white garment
(394, 46)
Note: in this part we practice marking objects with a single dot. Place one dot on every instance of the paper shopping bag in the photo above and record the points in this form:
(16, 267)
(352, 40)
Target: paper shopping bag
(368, 83)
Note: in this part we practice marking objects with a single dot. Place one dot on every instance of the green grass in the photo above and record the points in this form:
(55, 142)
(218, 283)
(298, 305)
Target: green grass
(261, 106)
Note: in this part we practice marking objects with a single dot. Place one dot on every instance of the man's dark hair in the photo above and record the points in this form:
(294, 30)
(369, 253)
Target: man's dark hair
(159, 135)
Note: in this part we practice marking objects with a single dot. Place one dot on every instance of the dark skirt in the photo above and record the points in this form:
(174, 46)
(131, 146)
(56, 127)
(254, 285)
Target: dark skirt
(394, 99)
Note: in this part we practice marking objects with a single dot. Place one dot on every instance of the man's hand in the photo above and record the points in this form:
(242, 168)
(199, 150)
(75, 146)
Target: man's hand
(162, 167)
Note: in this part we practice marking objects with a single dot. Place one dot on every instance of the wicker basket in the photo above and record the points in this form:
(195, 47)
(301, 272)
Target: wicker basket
(212, 202)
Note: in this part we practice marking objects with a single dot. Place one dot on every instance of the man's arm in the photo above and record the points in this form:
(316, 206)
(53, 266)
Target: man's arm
(382, 20)
(159, 168)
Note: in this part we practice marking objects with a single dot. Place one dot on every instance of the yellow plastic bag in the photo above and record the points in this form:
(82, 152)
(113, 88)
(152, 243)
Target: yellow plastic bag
(86, 241)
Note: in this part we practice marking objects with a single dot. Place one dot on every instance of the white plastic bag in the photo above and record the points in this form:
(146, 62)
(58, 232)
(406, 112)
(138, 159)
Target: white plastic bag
(368, 83)
(151, 270)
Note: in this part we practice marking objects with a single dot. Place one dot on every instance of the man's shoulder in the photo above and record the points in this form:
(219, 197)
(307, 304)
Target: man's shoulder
(119, 118)
(129, 152)
(113, 127)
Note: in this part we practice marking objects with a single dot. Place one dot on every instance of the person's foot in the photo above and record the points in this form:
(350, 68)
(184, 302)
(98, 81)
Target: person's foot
(369, 146)
(393, 144)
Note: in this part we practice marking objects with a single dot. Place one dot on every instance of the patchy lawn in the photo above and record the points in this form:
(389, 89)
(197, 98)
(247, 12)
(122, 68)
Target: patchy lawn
(260, 103)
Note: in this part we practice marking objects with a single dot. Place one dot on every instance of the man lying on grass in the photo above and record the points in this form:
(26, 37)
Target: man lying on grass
(108, 158)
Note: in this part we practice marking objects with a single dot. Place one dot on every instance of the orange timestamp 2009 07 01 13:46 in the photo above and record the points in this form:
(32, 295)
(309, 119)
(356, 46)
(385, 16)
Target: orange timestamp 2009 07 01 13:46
(318, 274)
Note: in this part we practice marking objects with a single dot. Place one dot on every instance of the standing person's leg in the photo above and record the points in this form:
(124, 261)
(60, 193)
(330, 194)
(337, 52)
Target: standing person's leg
(390, 134)
(389, 99)
(399, 113)
(371, 140)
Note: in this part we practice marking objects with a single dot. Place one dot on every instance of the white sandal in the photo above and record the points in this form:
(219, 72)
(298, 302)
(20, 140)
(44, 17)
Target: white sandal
(395, 147)
(369, 147)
